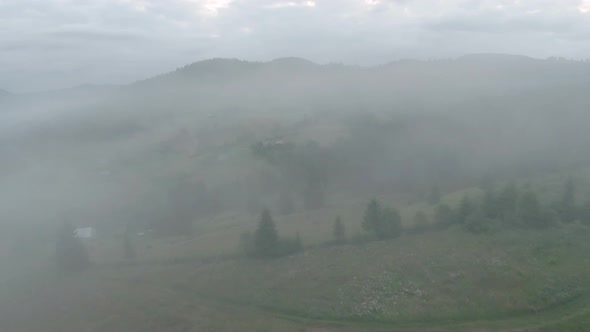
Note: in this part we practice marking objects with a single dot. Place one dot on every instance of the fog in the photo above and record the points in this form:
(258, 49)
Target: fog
(93, 152)
(294, 165)
(217, 141)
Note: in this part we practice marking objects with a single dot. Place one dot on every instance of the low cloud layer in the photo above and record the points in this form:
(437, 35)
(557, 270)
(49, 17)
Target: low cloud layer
(46, 44)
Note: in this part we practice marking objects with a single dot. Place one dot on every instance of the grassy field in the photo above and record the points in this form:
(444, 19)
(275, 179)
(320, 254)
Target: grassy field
(447, 281)
(432, 277)
(451, 280)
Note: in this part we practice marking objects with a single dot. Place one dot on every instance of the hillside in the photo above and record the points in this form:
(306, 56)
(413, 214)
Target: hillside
(205, 116)
(469, 160)
(278, 83)
(444, 280)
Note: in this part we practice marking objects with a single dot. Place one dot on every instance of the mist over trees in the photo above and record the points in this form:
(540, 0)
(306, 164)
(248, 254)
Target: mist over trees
(383, 222)
(304, 168)
(174, 149)
(266, 243)
(252, 182)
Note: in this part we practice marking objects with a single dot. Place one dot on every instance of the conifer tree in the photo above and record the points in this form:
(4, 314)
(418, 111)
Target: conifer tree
(266, 239)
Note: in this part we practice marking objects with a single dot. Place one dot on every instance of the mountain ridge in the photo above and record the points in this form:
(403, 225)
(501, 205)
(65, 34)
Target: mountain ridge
(233, 68)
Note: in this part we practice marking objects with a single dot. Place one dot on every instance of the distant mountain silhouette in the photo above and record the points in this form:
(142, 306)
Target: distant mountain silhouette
(298, 81)
(212, 69)
(494, 66)
(219, 70)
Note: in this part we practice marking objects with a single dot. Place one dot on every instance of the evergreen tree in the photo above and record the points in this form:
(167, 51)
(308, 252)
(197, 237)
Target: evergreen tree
(71, 255)
(266, 239)
(372, 219)
(384, 223)
(339, 231)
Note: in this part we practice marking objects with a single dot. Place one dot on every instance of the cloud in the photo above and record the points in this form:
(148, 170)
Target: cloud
(93, 35)
(116, 41)
(290, 4)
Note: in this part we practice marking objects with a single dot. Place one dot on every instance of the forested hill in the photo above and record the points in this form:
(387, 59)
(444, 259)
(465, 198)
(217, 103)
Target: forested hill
(295, 83)
(401, 126)
(416, 83)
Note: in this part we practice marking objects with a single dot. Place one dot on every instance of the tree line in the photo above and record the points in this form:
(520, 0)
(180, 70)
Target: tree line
(509, 207)
(514, 207)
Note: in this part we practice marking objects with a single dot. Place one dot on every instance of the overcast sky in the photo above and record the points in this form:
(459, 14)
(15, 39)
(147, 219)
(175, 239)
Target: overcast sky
(47, 44)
